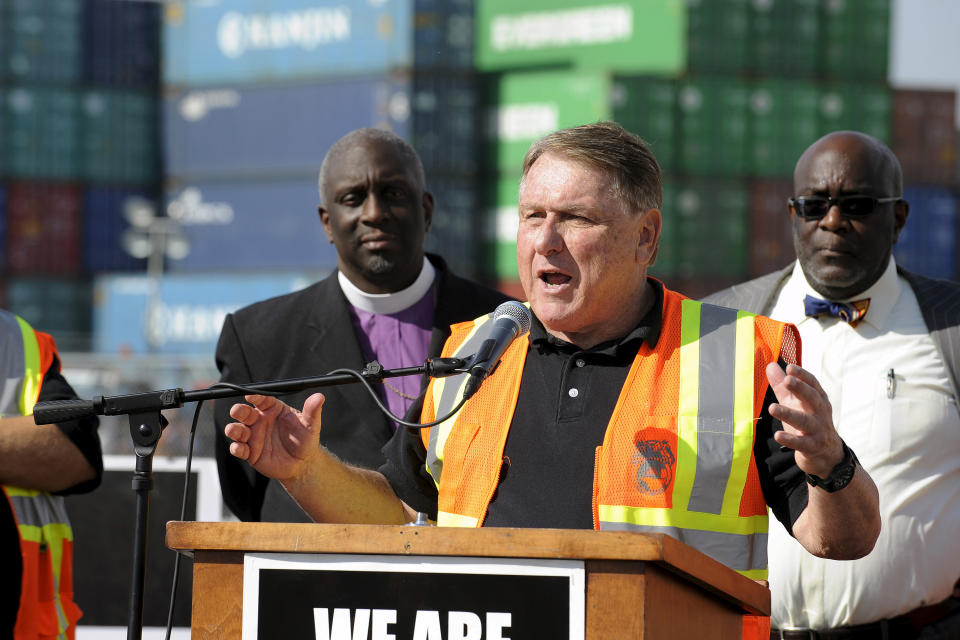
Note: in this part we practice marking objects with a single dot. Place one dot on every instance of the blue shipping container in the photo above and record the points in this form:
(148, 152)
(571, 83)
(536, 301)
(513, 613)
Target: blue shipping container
(187, 311)
(928, 242)
(261, 131)
(104, 223)
(454, 233)
(242, 41)
(251, 225)
(121, 43)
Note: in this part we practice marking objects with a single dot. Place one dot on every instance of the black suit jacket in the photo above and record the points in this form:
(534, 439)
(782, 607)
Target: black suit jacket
(939, 302)
(309, 333)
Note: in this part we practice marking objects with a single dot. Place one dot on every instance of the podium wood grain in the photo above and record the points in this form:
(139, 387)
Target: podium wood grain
(638, 585)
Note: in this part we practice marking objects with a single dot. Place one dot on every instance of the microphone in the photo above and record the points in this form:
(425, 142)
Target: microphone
(510, 320)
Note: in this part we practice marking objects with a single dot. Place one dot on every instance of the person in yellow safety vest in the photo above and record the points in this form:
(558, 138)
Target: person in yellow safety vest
(628, 406)
(38, 464)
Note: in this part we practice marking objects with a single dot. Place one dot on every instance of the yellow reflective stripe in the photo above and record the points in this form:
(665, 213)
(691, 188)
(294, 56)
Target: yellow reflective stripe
(743, 386)
(50, 532)
(656, 517)
(689, 403)
(31, 533)
(32, 376)
(446, 519)
(755, 574)
(19, 492)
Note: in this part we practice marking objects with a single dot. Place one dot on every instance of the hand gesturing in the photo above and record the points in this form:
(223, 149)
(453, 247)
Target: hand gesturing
(276, 439)
(807, 417)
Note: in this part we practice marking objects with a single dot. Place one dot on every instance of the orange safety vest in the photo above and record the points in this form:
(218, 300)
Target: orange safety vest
(47, 609)
(677, 455)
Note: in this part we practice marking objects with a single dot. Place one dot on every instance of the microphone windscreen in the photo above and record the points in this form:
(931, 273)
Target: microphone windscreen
(517, 311)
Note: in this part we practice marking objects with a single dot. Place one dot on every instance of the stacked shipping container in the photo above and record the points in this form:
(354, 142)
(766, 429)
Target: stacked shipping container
(77, 109)
(728, 92)
(256, 93)
(762, 80)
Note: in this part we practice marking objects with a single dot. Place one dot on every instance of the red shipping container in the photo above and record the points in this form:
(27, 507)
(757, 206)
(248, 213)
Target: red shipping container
(43, 228)
(771, 235)
(924, 135)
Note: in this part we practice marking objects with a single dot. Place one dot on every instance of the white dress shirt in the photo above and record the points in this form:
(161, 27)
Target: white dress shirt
(910, 445)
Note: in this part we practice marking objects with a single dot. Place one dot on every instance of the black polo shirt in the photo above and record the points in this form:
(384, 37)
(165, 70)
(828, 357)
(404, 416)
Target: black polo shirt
(566, 398)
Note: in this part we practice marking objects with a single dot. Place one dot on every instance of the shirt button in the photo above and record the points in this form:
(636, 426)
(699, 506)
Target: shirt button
(573, 393)
(580, 362)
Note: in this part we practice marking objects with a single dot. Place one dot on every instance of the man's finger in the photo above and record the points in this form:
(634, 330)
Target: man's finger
(775, 375)
(804, 375)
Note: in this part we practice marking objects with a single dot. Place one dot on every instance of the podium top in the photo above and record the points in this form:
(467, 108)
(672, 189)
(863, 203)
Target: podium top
(586, 545)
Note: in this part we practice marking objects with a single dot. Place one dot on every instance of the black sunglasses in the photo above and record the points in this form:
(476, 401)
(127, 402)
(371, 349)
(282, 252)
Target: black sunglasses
(816, 207)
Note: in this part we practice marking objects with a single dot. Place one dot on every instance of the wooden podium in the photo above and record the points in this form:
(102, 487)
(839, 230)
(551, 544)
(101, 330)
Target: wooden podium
(637, 585)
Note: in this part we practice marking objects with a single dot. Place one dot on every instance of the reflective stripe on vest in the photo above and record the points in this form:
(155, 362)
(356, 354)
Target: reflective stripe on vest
(20, 366)
(445, 394)
(715, 358)
(42, 520)
(715, 420)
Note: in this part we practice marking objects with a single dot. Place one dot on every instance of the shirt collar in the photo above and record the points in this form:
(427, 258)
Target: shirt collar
(883, 295)
(394, 302)
(647, 330)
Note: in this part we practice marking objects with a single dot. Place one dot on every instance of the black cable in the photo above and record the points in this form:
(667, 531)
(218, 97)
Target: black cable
(183, 516)
(246, 389)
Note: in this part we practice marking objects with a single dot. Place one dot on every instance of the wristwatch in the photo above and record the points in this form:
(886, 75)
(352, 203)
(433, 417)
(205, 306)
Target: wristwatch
(840, 476)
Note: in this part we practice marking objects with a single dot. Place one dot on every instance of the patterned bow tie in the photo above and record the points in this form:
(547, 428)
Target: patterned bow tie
(850, 312)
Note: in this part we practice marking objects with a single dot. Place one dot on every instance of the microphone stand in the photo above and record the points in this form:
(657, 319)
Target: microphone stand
(147, 423)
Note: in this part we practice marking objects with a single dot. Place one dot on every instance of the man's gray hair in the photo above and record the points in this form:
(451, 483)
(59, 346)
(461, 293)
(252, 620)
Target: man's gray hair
(364, 135)
(609, 148)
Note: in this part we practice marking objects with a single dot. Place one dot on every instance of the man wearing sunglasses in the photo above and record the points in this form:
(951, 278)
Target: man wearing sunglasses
(885, 345)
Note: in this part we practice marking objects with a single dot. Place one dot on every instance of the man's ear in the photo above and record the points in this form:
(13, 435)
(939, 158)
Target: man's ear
(427, 203)
(901, 211)
(325, 220)
(648, 240)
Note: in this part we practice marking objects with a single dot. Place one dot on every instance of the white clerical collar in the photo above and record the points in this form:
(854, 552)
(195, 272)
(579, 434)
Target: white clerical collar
(384, 303)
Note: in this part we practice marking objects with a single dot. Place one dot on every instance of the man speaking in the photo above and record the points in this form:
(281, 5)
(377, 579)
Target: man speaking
(628, 406)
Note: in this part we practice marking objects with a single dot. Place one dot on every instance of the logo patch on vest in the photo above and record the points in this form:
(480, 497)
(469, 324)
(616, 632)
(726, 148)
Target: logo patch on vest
(654, 460)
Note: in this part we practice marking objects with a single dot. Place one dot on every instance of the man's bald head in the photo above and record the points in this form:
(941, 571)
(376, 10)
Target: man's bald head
(853, 147)
(365, 136)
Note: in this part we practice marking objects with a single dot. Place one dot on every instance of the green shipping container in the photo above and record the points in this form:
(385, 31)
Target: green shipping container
(860, 107)
(521, 107)
(713, 127)
(42, 41)
(857, 40)
(718, 32)
(622, 35)
(785, 37)
(500, 211)
(60, 307)
(647, 106)
(711, 237)
(119, 137)
(41, 127)
(784, 120)
(667, 263)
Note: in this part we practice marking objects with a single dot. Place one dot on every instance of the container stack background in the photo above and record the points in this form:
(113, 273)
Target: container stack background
(220, 112)
(78, 116)
(761, 80)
